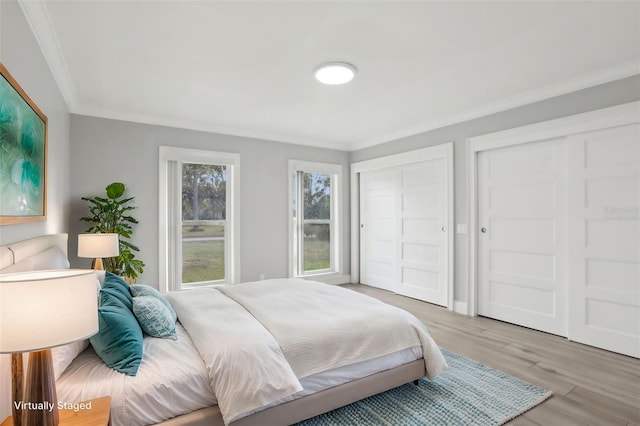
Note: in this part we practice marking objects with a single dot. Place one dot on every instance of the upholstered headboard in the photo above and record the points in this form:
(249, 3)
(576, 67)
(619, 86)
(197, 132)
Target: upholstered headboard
(43, 252)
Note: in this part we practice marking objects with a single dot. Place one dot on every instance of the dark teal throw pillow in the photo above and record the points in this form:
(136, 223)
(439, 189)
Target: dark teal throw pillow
(119, 338)
(116, 287)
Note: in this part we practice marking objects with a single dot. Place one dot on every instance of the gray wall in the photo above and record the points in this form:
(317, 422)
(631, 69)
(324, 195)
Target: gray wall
(104, 151)
(21, 55)
(606, 95)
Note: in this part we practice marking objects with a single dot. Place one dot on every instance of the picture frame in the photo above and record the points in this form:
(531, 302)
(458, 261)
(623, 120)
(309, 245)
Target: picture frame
(23, 154)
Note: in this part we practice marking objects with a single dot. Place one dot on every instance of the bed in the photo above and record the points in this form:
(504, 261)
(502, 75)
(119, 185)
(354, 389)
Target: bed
(275, 371)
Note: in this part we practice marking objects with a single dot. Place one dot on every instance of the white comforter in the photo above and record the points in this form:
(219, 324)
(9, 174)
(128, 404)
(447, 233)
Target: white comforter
(258, 338)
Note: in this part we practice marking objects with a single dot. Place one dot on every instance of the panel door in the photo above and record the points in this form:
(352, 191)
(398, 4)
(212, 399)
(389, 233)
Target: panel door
(378, 229)
(422, 245)
(522, 240)
(605, 239)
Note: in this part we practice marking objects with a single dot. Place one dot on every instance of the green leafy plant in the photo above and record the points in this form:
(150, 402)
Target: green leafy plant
(111, 215)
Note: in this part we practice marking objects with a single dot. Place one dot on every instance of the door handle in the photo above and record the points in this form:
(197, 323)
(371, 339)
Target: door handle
(483, 230)
(444, 229)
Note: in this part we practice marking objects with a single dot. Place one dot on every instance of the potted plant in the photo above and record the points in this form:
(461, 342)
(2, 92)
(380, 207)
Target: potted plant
(111, 215)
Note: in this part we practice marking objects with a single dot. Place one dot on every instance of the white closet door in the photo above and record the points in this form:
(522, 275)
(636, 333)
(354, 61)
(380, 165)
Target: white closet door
(605, 239)
(404, 235)
(522, 238)
(422, 246)
(378, 229)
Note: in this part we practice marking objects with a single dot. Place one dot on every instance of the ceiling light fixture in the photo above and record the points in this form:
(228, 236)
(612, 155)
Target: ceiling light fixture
(335, 73)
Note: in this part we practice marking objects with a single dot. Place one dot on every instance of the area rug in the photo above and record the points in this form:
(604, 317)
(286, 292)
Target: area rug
(468, 393)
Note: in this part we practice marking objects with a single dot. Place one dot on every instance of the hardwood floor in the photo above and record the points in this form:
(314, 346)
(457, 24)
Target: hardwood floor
(591, 386)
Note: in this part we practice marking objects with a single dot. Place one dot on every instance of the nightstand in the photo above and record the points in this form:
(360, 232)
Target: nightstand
(97, 415)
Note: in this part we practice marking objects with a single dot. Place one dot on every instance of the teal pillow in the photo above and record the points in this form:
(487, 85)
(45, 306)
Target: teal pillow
(145, 290)
(154, 317)
(116, 287)
(119, 338)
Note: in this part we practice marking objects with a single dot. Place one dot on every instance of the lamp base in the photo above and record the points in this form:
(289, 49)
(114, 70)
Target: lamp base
(97, 264)
(17, 385)
(40, 398)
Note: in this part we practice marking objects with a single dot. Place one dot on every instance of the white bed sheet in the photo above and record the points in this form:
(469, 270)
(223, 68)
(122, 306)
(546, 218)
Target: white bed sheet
(172, 380)
(348, 373)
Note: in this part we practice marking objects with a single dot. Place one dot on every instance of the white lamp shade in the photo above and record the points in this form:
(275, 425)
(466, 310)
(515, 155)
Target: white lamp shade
(43, 309)
(98, 245)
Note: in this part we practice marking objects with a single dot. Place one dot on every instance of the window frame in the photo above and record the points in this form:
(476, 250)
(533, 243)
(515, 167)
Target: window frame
(170, 214)
(296, 260)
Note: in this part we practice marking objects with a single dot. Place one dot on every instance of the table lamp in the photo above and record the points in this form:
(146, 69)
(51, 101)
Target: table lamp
(40, 310)
(98, 246)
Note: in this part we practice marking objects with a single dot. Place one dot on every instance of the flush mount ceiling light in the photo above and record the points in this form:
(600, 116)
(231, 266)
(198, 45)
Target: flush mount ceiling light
(335, 73)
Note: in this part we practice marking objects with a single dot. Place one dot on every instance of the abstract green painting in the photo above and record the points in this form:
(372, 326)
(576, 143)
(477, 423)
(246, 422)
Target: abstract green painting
(23, 154)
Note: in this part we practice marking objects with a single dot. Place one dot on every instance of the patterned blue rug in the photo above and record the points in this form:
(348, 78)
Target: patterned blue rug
(468, 393)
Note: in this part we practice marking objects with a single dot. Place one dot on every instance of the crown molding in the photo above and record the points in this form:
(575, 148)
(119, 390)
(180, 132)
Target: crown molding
(584, 82)
(178, 123)
(37, 15)
(573, 85)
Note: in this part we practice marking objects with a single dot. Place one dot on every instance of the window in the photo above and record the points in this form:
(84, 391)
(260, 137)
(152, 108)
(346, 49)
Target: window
(198, 230)
(204, 199)
(315, 237)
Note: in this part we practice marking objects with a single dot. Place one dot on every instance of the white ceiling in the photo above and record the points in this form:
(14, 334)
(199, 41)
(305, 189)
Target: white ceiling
(246, 68)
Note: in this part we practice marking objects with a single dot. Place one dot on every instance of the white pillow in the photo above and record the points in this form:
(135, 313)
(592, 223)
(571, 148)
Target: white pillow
(52, 258)
(64, 355)
(101, 274)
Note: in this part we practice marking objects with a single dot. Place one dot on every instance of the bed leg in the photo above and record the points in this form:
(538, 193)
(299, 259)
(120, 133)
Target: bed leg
(416, 382)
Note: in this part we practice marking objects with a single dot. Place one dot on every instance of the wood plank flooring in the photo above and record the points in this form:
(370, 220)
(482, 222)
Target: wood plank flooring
(591, 386)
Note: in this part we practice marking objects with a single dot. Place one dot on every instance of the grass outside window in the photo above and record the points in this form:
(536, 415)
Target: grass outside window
(202, 253)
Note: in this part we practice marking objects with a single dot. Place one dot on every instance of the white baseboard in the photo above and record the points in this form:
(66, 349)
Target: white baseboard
(460, 307)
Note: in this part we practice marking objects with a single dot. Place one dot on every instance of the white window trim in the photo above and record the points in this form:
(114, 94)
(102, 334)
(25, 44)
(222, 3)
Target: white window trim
(169, 251)
(335, 276)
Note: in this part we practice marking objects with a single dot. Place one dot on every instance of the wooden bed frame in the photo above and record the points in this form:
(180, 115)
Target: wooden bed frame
(17, 255)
